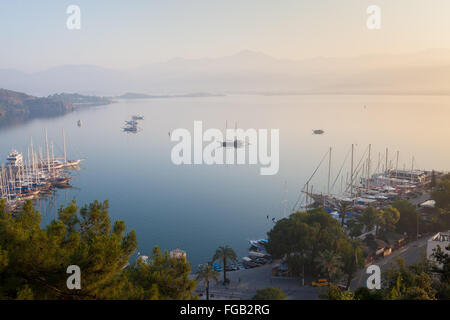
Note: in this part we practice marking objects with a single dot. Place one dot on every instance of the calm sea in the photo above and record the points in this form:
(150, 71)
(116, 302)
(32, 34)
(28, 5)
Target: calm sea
(198, 208)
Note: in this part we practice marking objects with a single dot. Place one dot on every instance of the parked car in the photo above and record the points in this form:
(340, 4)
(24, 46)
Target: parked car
(320, 283)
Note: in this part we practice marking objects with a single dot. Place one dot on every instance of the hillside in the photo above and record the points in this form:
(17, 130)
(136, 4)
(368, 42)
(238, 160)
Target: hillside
(17, 107)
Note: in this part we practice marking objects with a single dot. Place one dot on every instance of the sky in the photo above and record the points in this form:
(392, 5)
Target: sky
(126, 34)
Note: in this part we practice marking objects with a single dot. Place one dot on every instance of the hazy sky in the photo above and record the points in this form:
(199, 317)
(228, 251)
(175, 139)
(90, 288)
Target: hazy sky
(123, 34)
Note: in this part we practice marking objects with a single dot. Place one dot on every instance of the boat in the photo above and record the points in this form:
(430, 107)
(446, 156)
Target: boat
(318, 131)
(14, 159)
(72, 163)
(137, 117)
(130, 129)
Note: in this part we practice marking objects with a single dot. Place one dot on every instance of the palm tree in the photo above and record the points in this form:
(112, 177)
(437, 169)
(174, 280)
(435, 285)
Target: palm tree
(225, 254)
(329, 262)
(344, 206)
(207, 273)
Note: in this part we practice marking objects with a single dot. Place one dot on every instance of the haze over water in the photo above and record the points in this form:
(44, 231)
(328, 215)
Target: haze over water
(199, 207)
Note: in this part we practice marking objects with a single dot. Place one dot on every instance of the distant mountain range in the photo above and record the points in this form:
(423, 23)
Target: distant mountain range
(16, 107)
(425, 72)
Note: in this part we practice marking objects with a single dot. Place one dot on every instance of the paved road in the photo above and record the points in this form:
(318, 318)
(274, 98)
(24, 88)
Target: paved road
(254, 279)
(412, 253)
(244, 283)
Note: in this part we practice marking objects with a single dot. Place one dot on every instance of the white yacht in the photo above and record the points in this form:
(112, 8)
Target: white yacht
(14, 159)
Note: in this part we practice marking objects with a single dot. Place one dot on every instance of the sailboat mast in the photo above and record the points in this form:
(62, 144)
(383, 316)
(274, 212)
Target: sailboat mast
(368, 167)
(351, 172)
(386, 167)
(48, 153)
(329, 172)
(64, 141)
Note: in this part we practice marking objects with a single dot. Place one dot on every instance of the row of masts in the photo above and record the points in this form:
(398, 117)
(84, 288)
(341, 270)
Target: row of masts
(27, 179)
(362, 169)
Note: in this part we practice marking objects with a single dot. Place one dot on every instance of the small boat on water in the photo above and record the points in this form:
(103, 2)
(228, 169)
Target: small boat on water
(318, 131)
(72, 163)
(137, 117)
(130, 129)
(62, 182)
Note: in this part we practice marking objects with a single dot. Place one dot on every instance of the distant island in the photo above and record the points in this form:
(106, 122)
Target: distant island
(131, 95)
(78, 100)
(17, 107)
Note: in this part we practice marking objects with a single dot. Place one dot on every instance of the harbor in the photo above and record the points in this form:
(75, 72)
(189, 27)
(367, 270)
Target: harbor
(362, 187)
(35, 175)
(198, 208)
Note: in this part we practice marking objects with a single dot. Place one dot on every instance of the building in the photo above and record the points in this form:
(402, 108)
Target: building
(414, 176)
(441, 239)
(178, 253)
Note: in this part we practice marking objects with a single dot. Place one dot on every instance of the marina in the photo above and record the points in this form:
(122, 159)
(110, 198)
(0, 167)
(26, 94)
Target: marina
(30, 178)
(229, 203)
(363, 188)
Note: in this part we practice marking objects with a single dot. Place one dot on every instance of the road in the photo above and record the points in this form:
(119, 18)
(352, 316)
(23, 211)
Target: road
(412, 253)
(244, 283)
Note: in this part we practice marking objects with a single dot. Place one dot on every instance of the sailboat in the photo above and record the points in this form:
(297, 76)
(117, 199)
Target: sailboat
(232, 144)
(69, 163)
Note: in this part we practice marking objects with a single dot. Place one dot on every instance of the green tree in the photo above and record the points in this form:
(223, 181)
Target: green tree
(354, 228)
(369, 218)
(34, 259)
(344, 207)
(409, 217)
(162, 278)
(271, 293)
(364, 293)
(441, 195)
(207, 273)
(38, 257)
(333, 292)
(352, 258)
(329, 263)
(389, 218)
(409, 283)
(305, 234)
(224, 255)
(442, 268)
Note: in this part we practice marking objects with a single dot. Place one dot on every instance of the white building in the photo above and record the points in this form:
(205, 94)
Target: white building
(178, 254)
(441, 239)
